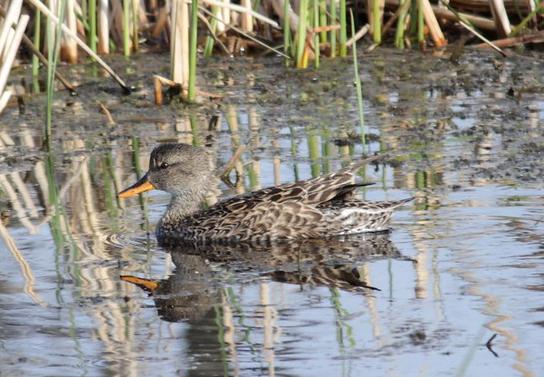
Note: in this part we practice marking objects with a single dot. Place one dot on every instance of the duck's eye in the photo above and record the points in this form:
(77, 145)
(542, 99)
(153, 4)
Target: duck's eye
(164, 165)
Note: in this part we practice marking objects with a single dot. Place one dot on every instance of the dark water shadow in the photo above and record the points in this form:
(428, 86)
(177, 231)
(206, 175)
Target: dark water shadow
(201, 273)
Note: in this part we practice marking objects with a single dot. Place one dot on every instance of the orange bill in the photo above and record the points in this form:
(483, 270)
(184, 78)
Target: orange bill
(146, 284)
(142, 185)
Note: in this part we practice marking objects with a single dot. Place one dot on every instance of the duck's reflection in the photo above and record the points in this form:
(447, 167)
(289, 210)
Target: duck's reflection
(194, 287)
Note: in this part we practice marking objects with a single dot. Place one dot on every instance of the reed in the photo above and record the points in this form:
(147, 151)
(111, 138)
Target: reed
(420, 26)
(286, 31)
(103, 27)
(316, 24)
(401, 23)
(36, 40)
(343, 29)
(358, 88)
(302, 57)
(208, 46)
(53, 43)
(323, 19)
(92, 25)
(191, 95)
(126, 27)
(376, 15)
(68, 47)
(333, 31)
(10, 38)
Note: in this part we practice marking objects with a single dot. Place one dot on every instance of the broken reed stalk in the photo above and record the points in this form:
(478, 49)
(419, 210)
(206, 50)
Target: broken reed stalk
(68, 48)
(500, 16)
(179, 43)
(246, 18)
(432, 23)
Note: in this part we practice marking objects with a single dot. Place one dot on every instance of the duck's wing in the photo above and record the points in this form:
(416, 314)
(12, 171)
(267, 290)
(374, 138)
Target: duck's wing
(266, 221)
(314, 191)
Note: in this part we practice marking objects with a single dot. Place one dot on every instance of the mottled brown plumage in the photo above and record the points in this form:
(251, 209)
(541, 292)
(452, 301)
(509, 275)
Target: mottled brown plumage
(321, 207)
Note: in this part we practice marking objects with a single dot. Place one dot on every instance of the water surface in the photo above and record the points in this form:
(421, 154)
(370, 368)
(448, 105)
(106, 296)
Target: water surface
(463, 262)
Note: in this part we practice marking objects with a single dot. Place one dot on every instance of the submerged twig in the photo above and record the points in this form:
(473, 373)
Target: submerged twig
(489, 345)
(107, 113)
(230, 165)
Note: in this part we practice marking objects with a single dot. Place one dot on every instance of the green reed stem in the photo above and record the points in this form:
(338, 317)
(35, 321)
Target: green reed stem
(126, 30)
(208, 47)
(301, 34)
(53, 43)
(193, 51)
(37, 38)
(313, 150)
(343, 29)
(401, 23)
(316, 36)
(92, 25)
(420, 25)
(286, 30)
(323, 19)
(358, 87)
(376, 22)
(333, 32)
(135, 10)
(523, 23)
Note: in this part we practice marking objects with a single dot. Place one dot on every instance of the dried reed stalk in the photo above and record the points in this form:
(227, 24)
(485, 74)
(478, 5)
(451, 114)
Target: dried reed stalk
(179, 42)
(501, 17)
(103, 27)
(38, 4)
(68, 47)
(246, 23)
(7, 31)
(537, 37)
(10, 52)
(432, 23)
(240, 9)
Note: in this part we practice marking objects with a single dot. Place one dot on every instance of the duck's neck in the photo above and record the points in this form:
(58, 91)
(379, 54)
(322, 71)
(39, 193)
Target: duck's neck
(182, 205)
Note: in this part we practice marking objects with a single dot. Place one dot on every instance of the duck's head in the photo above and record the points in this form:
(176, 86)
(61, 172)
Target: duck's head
(174, 168)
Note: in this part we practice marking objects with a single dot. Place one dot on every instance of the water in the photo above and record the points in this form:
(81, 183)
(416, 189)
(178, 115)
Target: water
(463, 262)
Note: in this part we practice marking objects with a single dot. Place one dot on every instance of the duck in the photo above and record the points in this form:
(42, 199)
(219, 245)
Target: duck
(323, 207)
